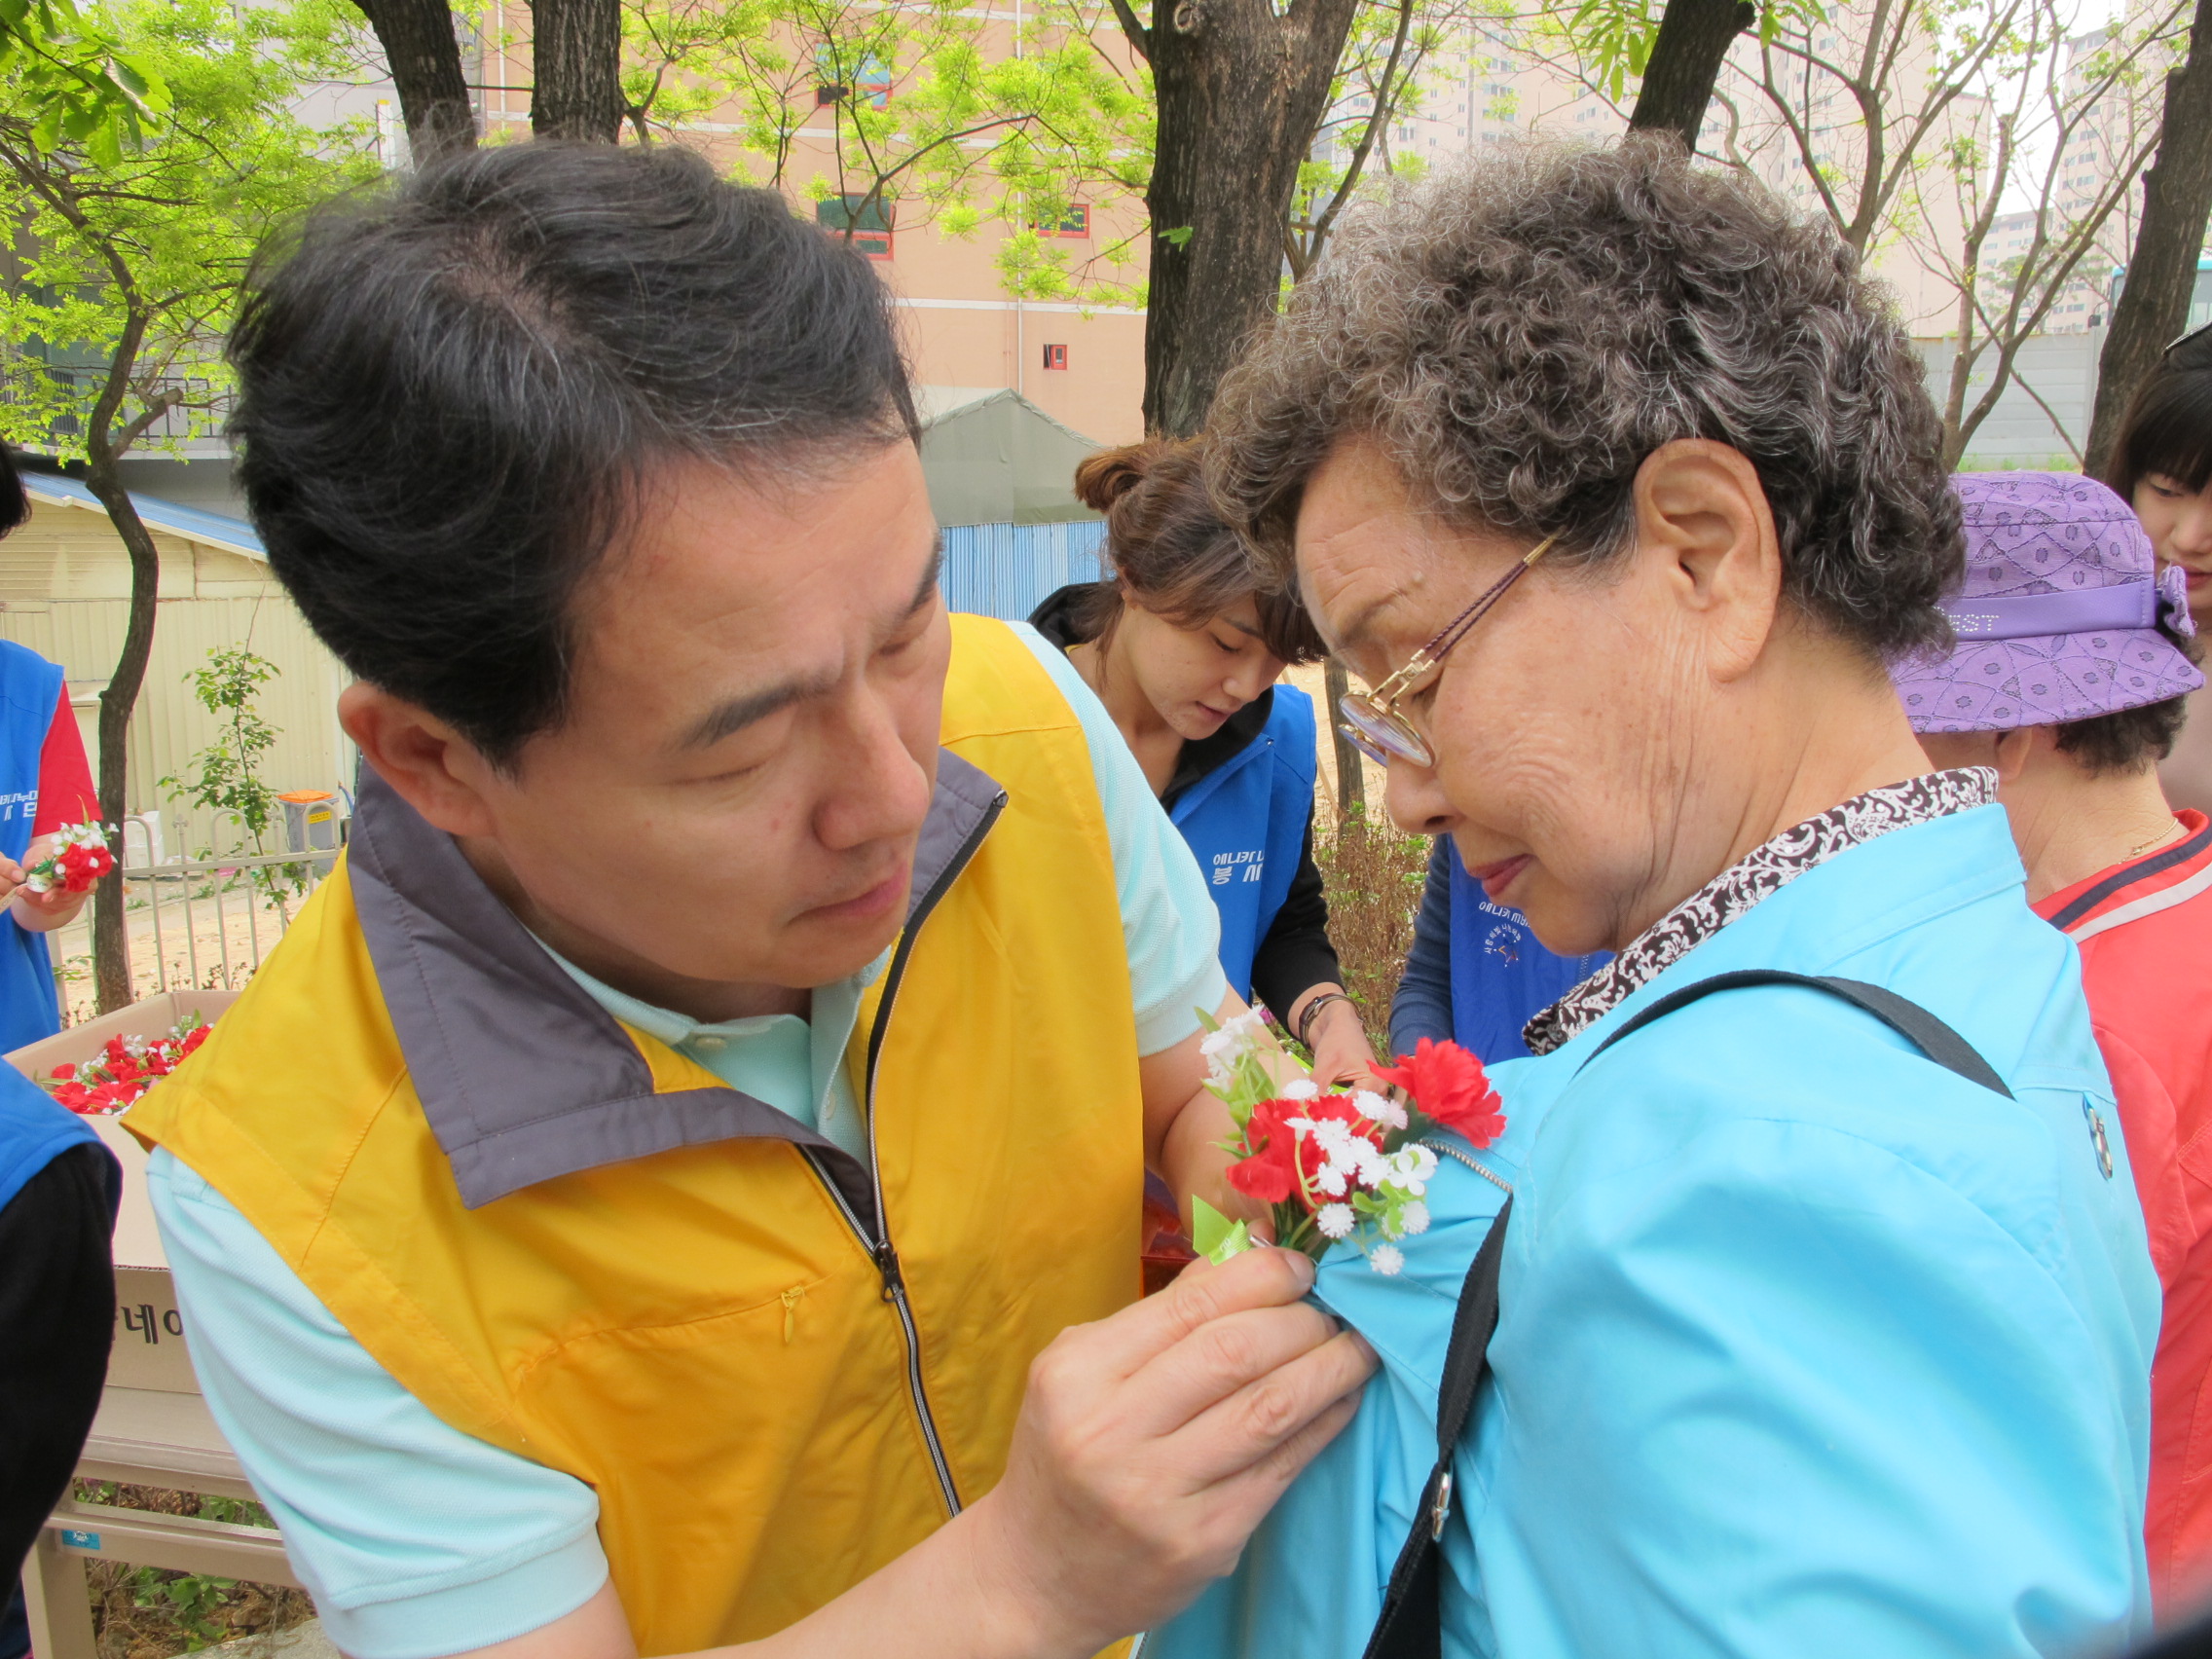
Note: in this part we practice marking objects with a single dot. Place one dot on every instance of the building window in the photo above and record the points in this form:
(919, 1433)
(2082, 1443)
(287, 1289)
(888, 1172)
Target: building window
(1056, 356)
(865, 223)
(1076, 222)
(871, 81)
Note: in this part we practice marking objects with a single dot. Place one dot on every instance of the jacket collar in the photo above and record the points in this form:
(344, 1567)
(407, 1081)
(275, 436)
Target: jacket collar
(521, 1076)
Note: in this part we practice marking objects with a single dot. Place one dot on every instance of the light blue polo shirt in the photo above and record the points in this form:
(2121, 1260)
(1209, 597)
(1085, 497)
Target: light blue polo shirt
(417, 1541)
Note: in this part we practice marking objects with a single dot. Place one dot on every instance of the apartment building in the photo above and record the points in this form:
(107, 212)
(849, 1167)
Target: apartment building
(1081, 364)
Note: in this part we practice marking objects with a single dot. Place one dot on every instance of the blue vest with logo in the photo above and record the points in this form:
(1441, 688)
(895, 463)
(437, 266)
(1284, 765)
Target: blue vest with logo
(31, 690)
(1245, 821)
(1501, 974)
(34, 1130)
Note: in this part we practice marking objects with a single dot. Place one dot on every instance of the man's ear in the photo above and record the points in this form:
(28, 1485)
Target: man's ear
(1703, 523)
(436, 770)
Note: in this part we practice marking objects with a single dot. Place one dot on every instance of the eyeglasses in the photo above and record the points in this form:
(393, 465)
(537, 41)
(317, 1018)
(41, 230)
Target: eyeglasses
(1371, 720)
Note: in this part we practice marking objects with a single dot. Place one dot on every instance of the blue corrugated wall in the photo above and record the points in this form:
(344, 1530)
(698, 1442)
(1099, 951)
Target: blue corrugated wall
(1006, 570)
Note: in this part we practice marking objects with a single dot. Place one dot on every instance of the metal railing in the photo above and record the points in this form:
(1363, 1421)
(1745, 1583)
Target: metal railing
(203, 923)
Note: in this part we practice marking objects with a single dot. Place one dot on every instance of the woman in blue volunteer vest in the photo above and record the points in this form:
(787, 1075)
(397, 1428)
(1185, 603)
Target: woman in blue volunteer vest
(1476, 973)
(1183, 646)
(44, 784)
(59, 1186)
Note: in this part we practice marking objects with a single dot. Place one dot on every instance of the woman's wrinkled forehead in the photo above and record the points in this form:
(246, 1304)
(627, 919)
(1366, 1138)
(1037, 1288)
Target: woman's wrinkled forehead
(1368, 553)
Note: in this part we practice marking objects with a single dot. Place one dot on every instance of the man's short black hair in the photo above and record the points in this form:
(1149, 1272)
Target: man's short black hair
(449, 391)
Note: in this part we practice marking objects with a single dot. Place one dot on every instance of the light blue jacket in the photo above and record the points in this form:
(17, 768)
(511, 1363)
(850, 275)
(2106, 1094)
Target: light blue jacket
(1809, 1349)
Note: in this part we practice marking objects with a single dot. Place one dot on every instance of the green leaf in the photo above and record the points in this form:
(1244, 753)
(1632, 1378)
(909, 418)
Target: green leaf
(1214, 1235)
(1179, 236)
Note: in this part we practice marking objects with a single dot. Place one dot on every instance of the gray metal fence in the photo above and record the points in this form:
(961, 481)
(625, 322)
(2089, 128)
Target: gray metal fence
(205, 923)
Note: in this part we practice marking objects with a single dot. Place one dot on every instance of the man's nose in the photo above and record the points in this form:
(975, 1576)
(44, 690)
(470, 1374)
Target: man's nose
(875, 790)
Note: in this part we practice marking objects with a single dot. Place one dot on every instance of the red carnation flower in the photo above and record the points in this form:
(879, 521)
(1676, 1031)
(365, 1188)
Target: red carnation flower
(1283, 1162)
(1447, 1085)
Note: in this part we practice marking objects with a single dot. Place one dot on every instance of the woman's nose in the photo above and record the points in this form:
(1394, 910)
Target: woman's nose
(1415, 798)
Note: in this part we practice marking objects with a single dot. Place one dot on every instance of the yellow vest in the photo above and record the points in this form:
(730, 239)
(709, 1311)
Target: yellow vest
(568, 1240)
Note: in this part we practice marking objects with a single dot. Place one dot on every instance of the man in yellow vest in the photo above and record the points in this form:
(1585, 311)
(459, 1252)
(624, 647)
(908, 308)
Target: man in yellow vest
(637, 1208)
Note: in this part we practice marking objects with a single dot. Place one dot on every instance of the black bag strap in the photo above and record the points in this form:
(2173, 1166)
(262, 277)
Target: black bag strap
(1411, 1625)
(1908, 1019)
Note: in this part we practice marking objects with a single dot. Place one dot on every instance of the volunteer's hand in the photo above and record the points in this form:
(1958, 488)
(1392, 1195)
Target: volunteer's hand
(37, 913)
(1151, 1443)
(1341, 1053)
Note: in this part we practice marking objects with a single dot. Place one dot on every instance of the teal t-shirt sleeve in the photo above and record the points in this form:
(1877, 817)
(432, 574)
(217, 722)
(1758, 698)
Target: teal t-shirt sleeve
(414, 1538)
(1168, 923)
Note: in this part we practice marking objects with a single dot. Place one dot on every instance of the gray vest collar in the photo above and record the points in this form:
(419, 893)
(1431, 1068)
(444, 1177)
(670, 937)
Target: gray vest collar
(521, 1076)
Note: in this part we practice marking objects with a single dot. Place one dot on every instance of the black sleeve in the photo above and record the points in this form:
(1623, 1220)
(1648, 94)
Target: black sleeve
(56, 1320)
(1422, 1007)
(1296, 954)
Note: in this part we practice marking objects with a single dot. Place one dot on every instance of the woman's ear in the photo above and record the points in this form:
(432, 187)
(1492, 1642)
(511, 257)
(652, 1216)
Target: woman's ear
(1706, 534)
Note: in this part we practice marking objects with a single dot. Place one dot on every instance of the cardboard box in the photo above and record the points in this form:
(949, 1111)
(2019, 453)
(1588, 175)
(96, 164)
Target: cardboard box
(150, 1350)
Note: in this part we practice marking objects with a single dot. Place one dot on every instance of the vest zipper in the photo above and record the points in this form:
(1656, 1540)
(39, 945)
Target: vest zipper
(885, 1254)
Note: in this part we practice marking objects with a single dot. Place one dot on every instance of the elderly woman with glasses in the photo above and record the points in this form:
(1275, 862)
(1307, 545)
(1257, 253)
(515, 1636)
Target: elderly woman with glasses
(1823, 1311)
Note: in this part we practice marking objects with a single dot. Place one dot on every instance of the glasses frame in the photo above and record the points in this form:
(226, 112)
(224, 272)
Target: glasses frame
(1372, 723)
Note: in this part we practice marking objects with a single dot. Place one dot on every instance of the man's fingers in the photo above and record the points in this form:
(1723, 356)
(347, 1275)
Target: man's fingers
(1220, 1357)
(1241, 1431)
(1125, 1343)
(1243, 1497)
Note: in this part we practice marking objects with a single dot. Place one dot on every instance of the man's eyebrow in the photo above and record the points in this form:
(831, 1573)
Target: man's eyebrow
(738, 713)
(932, 574)
(1244, 628)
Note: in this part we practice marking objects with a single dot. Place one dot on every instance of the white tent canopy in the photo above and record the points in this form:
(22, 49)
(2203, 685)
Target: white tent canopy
(993, 456)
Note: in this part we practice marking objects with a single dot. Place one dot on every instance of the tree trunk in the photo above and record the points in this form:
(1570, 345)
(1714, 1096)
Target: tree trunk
(111, 944)
(1694, 37)
(577, 57)
(1239, 92)
(424, 60)
(1352, 775)
(2162, 272)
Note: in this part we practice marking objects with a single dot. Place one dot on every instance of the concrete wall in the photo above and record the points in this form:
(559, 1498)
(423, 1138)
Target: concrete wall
(2019, 433)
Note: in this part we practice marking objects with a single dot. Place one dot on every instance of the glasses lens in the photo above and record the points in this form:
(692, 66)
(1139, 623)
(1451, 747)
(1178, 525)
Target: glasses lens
(1383, 738)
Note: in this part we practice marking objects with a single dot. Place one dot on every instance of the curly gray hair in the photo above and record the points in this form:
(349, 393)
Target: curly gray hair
(1519, 335)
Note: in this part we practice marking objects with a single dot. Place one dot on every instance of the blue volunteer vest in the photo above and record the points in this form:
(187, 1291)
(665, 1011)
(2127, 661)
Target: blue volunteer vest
(1501, 974)
(34, 1130)
(31, 690)
(1246, 823)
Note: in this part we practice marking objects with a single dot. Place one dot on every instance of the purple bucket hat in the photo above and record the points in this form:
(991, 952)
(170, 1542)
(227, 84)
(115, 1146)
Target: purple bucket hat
(2057, 620)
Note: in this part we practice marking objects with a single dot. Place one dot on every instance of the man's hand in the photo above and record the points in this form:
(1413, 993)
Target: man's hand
(1148, 1446)
(1151, 1443)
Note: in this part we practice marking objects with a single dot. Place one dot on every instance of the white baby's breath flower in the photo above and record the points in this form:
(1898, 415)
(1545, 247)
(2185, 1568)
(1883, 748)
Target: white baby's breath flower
(1374, 1164)
(1330, 1179)
(1334, 1220)
(1334, 1137)
(1413, 1218)
(1380, 1109)
(1301, 1089)
(1387, 1260)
